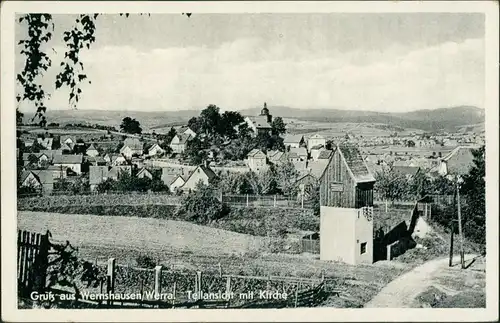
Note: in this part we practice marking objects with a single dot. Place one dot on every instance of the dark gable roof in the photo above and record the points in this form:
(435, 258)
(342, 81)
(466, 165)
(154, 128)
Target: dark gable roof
(406, 170)
(325, 154)
(25, 175)
(67, 159)
(256, 153)
(210, 173)
(355, 163)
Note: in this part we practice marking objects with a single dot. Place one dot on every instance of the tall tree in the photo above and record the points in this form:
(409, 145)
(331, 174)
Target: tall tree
(474, 189)
(391, 185)
(278, 126)
(131, 126)
(286, 176)
(210, 120)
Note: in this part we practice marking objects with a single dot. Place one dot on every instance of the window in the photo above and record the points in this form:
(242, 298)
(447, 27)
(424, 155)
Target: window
(363, 247)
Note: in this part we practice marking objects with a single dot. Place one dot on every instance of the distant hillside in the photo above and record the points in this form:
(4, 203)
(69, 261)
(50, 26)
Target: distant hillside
(429, 120)
(148, 120)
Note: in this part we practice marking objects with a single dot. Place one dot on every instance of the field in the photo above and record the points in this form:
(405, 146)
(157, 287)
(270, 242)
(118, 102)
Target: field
(193, 247)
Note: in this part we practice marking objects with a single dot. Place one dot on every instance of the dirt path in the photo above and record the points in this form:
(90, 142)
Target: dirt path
(402, 291)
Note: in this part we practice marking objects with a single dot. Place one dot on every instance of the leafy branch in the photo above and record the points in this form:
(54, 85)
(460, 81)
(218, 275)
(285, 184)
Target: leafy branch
(40, 29)
(72, 70)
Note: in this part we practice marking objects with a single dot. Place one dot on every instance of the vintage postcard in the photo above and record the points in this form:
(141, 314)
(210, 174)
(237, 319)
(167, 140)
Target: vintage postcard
(249, 161)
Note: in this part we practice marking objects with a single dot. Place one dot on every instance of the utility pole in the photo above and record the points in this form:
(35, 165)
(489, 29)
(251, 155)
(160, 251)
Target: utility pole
(452, 222)
(462, 260)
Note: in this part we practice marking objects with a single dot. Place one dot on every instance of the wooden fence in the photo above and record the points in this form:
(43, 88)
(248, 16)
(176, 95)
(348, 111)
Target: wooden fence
(310, 245)
(32, 260)
(161, 288)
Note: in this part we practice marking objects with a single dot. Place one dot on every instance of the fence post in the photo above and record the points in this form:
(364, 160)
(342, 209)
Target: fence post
(247, 199)
(388, 248)
(173, 293)
(274, 200)
(198, 273)
(296, 294)
(110, 288)
(385, 206)
(228, 290)
(158, 270)
(220, 270)
(430, 211)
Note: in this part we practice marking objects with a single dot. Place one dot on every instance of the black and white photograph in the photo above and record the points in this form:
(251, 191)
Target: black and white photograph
(183, 158)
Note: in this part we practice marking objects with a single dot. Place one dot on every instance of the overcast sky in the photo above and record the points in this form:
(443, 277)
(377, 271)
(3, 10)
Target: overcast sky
(381, 62)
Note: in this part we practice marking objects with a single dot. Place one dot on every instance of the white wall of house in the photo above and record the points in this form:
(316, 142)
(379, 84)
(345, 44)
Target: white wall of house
(155, 150)
(176, 146)
(256, 164)
(176, 184)
(190, 132)
(145, 174)
(92, 153)
(127, 152)
(197, 176)
(31, 181)
(315, 141)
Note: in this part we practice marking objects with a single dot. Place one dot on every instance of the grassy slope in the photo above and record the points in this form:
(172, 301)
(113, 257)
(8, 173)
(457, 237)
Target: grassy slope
(193, 247)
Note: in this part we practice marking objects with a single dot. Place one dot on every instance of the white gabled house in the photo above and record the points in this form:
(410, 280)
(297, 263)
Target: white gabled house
(155, 150)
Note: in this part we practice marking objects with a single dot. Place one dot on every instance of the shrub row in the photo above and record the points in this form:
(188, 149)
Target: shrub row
(143, 211)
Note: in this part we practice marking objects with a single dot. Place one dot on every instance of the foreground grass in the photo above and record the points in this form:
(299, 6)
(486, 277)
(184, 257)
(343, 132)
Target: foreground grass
(189, 247)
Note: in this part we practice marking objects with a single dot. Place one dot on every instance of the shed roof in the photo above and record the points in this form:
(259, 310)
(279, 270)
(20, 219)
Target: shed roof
(355, 163)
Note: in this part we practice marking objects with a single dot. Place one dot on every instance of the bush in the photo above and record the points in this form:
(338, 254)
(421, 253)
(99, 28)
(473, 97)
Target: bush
(144, 261)
(202, 206)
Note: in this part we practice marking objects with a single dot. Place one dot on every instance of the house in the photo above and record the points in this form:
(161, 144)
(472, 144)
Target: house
(46, 142)
(149, 173)
(173, 179)
(316, 151)
(74, 162)
(316, 140)
(29, 179)
(346, 208)
(115, 159)
(185, 130)
(179, 142)
(99, 174)
(301, 152)
(457, 162)
(317, 167)
(132, 147)
(36, 159)
(155, 150)
(256, 160)
(68, 141)
(276, 157)
(203, 174)
(91, 151)
(261, 123)
(407, 171)
(294, 141)
(95, 161)
(46, 179)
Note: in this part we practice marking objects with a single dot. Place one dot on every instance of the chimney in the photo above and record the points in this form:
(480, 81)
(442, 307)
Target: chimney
(206, 163)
